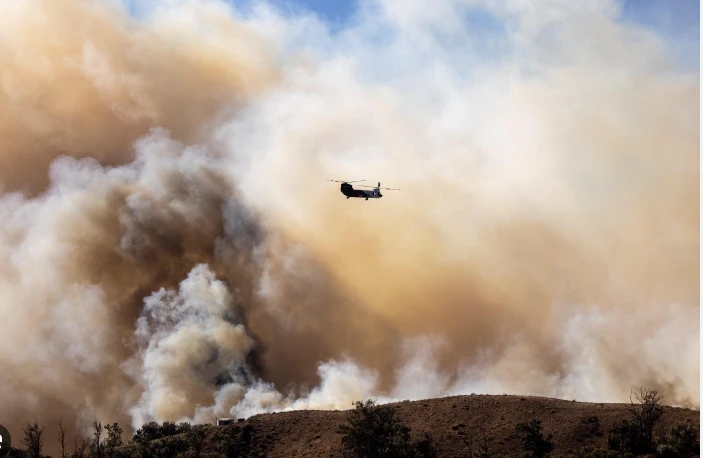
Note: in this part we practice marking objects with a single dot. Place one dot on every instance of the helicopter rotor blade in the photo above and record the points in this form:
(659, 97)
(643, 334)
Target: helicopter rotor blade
(374, 187)
(364, 185)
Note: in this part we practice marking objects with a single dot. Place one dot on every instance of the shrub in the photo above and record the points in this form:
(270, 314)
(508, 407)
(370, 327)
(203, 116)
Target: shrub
(147, 433)
(483, 445)
(636, 434)
(533, 441)
(234, 441)
(424, 448)
(183, 427)
(152, 431)
(375, 431)
(13, 452)
(196, 437)
(168, 447)
(681, 441)
(168, 428)
(623, 437)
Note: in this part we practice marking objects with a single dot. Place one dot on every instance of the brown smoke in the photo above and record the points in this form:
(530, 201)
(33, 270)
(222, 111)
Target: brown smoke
(170, 249)
(84, 79)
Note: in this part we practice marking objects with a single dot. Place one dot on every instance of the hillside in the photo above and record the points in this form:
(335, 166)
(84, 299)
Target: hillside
(574, 426)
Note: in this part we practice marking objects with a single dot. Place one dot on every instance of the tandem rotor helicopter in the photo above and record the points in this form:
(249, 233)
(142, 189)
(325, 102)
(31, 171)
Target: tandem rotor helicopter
(349, 191)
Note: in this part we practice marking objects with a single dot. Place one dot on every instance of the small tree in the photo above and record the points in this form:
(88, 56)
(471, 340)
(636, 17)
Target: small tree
(636, 434)
(62, 439)
(183, 427)
(533, 441)
(483, 448)
(96, 446)
(79, 450)
(168, 428)
(646, 415)
(147, 433)
(424, 448)
(375, 431)
(468, 442)
(483, 445)
(33, 440)
(114, 438)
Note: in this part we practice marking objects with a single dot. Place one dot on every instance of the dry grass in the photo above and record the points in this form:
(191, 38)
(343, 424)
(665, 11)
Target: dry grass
(451, 422)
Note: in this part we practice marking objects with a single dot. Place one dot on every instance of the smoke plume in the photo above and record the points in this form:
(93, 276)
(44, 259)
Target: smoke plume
(170, 249)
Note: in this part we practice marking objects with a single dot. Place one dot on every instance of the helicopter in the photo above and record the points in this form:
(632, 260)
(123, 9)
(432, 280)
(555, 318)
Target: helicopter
(348, 190)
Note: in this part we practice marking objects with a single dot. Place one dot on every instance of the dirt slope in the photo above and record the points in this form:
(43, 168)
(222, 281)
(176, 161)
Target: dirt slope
(574, 425)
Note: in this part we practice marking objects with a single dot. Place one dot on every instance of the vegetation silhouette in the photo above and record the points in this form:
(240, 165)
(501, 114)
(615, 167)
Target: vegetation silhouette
(375, 431)
(379, 431)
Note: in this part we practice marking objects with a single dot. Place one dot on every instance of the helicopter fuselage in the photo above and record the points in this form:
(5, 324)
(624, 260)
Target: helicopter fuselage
(349, 191)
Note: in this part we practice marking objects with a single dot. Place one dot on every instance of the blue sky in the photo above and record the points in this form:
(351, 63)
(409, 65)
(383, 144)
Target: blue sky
(678, 21)
(335, 11)
(673, 17)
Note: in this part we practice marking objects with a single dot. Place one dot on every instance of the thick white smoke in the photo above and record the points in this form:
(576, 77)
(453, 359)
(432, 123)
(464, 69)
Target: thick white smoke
(188, 340)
